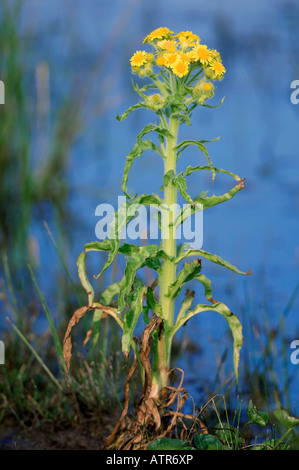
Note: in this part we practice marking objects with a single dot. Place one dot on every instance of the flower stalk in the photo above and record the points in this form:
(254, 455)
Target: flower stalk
(162, 349)
(182, 73)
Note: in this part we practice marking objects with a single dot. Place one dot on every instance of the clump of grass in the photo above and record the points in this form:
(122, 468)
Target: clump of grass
(33, 388)
(27, 187)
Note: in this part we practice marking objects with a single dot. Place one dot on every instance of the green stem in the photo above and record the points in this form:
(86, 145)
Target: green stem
(283, 437)
(162, 346)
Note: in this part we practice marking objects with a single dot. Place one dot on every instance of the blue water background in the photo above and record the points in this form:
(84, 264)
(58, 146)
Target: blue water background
(89, 43)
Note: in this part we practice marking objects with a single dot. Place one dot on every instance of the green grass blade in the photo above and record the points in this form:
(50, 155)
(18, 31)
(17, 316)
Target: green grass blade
(11, 288)
(48, 314)
(36, 355)
(77, 293)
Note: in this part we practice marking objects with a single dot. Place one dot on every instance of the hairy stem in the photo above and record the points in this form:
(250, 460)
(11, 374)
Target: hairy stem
(168, 274)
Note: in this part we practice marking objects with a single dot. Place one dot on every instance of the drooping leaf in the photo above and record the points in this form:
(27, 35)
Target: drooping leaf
(167, 178)
(140, 91)
(137, 151)
(186, 304)
(200, 145)
(135, 261)
(186, 212)
(191, 169)
(213, 258)
(180, 182)
(126, 212)
(188, 273)
(140, 147)
(150, 86)
(232, 320)
(285, 419)
(81, 264)
(109, 293)
(106, 245)
(105, 299)
(217, 106)
(128, 111)
(131, 317)
(200, 203)
(151, 304)
(257, 417)
(215, 200)
(206, 284)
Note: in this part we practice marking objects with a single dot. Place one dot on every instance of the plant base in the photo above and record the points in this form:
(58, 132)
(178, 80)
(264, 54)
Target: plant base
(153, 417)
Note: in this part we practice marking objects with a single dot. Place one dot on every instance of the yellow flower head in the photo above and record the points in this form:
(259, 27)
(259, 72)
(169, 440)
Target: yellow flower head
(158, 33)
(185, 57)
(180, 68)
(218, 69)
(186, 43)
(188, 35)
(149, 57)
(170, 59)
(171, 49)
(215, 55)
(202, 53)
(167, 44)
(160, 60)
(182, 54)
(206, 86)
(138, 59)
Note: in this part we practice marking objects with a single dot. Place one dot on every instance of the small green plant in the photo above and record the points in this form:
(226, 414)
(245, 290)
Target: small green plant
(234, 436)
(182, 74)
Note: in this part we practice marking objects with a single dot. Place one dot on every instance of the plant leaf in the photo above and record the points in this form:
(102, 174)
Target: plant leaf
(206, 284)
(217, 106)
(215, 200)
(105, 299)
(232, 320)
(81, 264)
(200, 145)
(213, 258)
(132, 315)
(191, 169)
(139, 148)
(165, 443)
(128, 111)
(285, 419)
(201, 203)
(136, 261)
(180, 182)
(208, 442)
(257, 417)
(188, 273)
(125, 213)
(186, 304)
(152, 303)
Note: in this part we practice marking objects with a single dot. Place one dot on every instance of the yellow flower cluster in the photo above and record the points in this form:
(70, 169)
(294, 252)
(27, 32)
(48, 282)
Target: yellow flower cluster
(177, 52)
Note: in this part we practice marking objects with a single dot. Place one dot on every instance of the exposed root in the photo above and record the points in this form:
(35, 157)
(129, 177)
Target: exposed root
(152, 418)
(113, 435)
